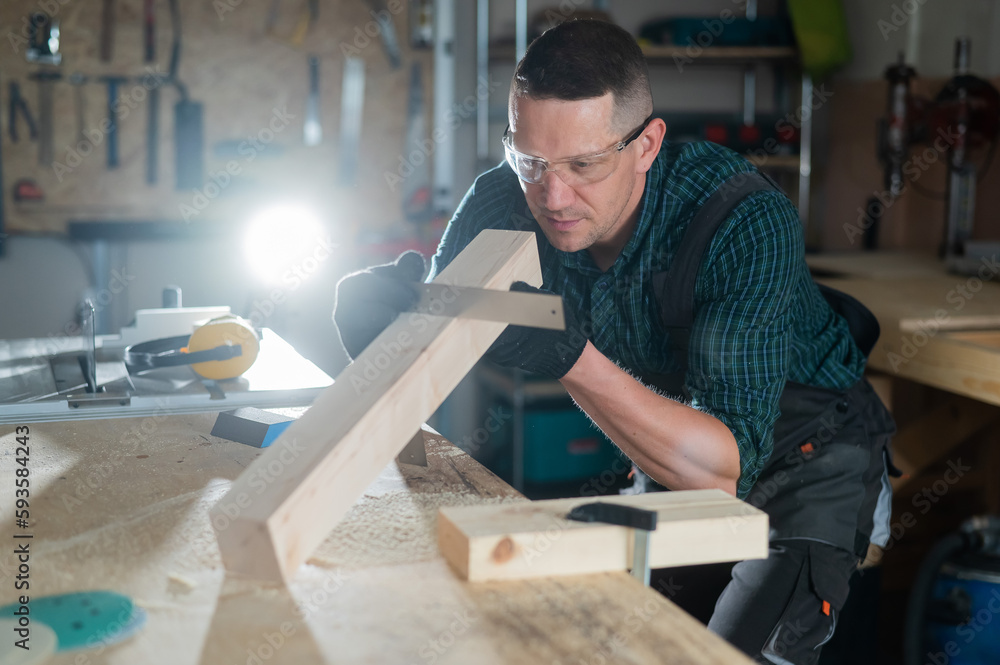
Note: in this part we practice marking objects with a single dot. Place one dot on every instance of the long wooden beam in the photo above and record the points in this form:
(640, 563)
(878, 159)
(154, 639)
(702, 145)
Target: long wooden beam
(288, 500)
(534, 539)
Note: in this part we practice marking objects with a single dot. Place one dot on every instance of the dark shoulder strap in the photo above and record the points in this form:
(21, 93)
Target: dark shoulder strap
(674, 289)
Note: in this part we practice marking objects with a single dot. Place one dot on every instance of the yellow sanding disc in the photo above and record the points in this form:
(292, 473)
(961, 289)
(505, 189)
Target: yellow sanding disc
(225, 330)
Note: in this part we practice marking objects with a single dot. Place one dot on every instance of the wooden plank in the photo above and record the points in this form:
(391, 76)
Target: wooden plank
(927, 330)
(287, 501)
(943, 361)
(718, 53)
(986, 338)
(929, 302)
(883, 265)
(507, 542)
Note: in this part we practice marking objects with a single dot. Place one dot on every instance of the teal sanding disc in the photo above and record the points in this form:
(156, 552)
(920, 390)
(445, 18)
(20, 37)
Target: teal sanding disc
(36, 647)
(85, 619)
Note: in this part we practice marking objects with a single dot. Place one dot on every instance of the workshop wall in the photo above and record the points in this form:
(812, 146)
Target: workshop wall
(250, 71)
(847, 172)
(252, 78)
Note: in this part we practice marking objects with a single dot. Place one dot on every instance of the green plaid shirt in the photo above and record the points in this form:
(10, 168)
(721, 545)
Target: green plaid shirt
(759, 318)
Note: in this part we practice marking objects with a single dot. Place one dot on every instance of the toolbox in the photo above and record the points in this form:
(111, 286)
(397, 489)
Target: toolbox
(561, 444)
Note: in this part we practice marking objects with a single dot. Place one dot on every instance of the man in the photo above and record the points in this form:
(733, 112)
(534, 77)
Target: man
(588, 170)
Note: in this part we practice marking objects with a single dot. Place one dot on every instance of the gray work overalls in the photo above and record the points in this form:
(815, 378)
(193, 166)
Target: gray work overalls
(825, 487)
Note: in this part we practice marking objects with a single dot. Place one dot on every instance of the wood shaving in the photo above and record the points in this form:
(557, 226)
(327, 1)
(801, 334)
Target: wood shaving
(391, 529)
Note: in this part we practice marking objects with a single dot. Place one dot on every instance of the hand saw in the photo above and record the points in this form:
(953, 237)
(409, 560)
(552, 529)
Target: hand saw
(536, 310)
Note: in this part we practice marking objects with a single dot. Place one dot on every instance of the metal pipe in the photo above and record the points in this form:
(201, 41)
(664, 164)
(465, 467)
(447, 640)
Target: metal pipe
(805, 152)
(444, 100)
(482, 75)
(520, 29)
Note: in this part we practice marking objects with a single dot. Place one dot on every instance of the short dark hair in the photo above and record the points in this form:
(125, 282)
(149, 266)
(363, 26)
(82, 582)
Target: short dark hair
(583, 59)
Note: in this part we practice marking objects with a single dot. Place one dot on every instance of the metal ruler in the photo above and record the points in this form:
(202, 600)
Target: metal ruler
(537, 310)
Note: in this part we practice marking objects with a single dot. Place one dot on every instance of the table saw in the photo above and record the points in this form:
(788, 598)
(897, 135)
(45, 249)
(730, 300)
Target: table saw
(46, 379)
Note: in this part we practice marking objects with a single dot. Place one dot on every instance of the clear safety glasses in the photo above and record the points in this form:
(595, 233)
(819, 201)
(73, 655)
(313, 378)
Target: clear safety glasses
(574, 171)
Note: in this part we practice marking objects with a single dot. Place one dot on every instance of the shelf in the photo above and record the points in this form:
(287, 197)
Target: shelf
(720, 54)
(504, 52)
(777, 162)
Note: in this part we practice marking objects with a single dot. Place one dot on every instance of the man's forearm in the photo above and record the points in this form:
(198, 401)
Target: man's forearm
(677, 445)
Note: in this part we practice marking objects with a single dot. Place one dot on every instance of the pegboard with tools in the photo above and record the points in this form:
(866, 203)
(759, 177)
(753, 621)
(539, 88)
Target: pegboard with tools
(202, 111)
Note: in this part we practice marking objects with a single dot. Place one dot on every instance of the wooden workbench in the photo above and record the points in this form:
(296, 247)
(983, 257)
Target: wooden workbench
(123, 505)
(939, 330)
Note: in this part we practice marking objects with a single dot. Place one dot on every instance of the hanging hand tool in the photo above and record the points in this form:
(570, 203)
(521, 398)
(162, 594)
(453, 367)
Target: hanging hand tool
(189, 149)
(189, 143)
(416, 189)
(149, 30)
(26, 189)
(107, 29)
(272, 17)
(18, 105)
(387, 30)
(307, 20)
(77, 80)
(43, 40)
(153, 133)
(46, 80)
(113, 82)
(641, 521)
(312, 129)
(352, 99)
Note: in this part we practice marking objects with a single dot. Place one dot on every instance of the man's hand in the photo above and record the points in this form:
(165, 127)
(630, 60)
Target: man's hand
(548, 352)
(368, 301)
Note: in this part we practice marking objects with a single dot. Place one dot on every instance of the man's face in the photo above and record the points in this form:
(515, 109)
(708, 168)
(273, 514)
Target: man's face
(597, 216)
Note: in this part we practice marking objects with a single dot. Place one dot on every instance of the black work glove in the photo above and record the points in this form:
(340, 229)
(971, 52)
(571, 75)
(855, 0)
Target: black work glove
(368, 301)
(548, 352)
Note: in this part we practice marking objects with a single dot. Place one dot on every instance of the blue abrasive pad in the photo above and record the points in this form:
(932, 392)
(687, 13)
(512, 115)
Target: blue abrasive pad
(86, 618)
(251, 426)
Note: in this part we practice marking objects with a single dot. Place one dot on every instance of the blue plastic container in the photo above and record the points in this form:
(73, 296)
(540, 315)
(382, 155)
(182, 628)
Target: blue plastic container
(978, 641)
